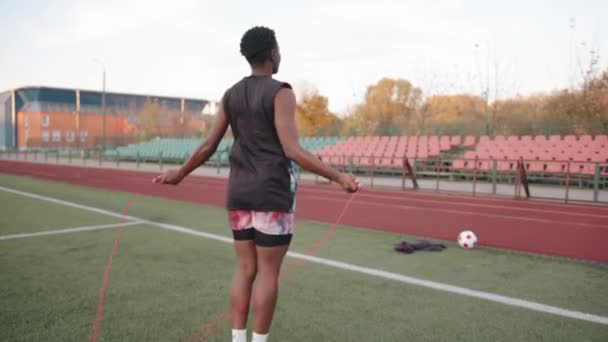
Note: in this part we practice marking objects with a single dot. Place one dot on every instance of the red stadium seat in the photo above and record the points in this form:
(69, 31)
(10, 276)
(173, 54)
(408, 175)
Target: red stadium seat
(602, 138)
(526, 139)
(485, 165)
(504, 165)
(555, 167)
(458, 164)
(570, 139)
(536, 166)
(513, 139)
(555, 138)
(585, 140)
(470, 155)
(469, 141)
(444, 143)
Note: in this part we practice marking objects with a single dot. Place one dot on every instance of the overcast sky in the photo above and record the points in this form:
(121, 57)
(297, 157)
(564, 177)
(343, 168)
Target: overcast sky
(191, 48)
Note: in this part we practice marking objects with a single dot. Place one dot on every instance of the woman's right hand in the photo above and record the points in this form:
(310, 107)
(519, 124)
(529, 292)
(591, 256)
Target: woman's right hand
(348, 182)
(172, 177)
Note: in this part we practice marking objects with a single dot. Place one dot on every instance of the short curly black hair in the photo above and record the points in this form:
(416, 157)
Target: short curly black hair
(257, 44)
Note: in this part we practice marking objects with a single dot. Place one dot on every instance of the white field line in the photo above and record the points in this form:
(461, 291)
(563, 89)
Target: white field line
(511, 301)
(68, 230)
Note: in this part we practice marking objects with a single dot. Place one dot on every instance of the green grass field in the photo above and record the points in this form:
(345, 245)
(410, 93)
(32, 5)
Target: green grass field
(165, 285)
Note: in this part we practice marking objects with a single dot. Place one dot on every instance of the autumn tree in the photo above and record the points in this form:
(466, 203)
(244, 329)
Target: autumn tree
(150, 119)
(388, 107)
(453, 114)
(313, 116)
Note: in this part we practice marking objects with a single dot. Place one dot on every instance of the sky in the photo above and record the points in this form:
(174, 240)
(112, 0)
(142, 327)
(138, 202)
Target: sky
(190, 48)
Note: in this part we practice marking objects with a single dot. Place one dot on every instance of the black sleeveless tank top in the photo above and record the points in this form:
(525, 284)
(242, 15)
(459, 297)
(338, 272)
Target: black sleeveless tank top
(261, 176)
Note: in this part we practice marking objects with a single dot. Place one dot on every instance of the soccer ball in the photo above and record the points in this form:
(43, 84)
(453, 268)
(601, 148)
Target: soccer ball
(467, 239)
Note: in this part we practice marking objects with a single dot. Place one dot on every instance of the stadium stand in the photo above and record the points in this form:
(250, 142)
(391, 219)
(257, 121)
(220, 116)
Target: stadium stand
(180, 149)
(539, 154)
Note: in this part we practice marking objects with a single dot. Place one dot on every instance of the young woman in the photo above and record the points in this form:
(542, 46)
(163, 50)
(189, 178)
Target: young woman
(261, 187)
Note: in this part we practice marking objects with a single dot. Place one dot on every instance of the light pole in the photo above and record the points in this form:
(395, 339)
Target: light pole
(103, 102)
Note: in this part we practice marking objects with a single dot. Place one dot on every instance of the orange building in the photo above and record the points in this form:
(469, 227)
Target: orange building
(55, 117)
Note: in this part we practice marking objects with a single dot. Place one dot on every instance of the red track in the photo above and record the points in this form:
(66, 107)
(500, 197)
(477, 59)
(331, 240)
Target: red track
(546, 228)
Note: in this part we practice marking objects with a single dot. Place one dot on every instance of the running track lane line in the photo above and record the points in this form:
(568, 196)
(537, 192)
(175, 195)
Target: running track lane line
(488, 296)
(68, 230)
(106, 274)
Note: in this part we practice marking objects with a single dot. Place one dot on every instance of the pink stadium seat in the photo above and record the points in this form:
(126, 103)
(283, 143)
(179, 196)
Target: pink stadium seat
(589, 170)
(386, 162)
(456, 140)
(500, 139)
(571, 154)
(483, 154)
(484, 139)
(529, 155)
(504, 165)
(553, 154)
(422, 155)
(603, 138)
(365, 161)
(412, 142)
(536, 166)
(555, 138)
(585, 140)
(458, 164)
(470, 165)
(410, 154)
(570, 139)
(470, 155)
(540, 139)
(601, 157)
(469, 141)
(444, 143)
(526, 139)
(513, 139)
(513, 156)
(555, 167)
(485, 165)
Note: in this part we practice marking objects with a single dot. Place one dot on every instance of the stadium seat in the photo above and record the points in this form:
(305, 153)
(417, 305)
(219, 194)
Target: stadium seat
(570, 139)
(504, 165)
(485, 165)
(469, 141)
(444, 144)
(555, 167)
(526, 139)
(458, 164)
(536, 166)
(455, 140)
(555, 138)
(585, 140)
(470, 155)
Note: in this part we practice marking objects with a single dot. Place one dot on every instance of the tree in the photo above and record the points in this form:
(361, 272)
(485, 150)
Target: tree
(519, 115)
(313, 116)
(453, 114)
(388, 107)
(150, 119)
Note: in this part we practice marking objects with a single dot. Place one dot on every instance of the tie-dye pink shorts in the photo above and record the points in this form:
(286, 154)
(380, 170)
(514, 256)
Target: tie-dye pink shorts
(266, 228)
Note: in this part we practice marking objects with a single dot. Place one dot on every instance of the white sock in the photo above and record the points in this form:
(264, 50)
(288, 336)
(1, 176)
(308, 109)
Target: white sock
(258, 337)
(239, 335)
